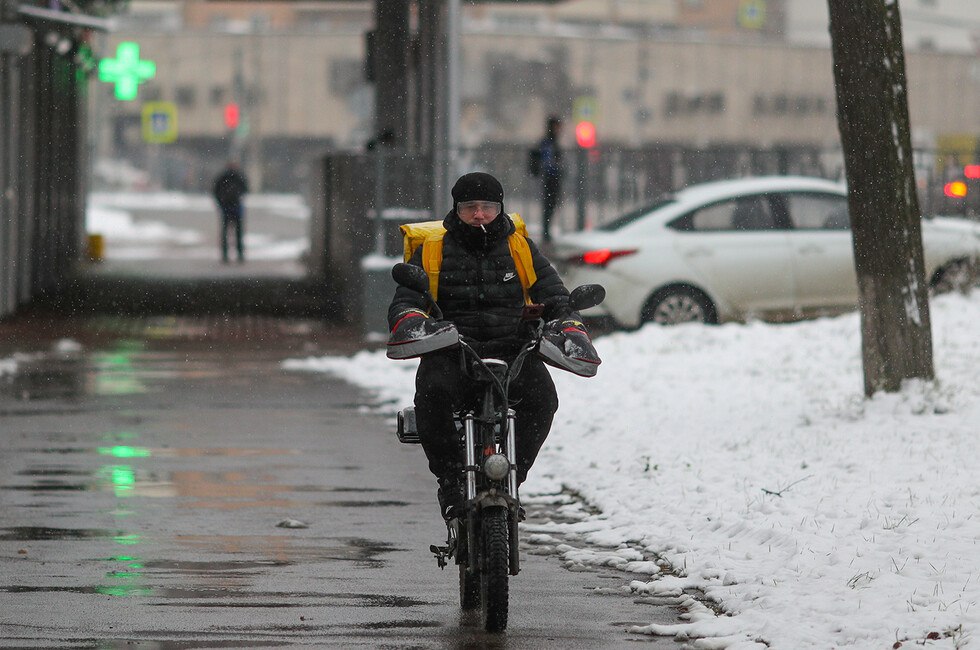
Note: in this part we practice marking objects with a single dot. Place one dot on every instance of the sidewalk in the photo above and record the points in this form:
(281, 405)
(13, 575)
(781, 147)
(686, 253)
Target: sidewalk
(168, 484)
(195, 286)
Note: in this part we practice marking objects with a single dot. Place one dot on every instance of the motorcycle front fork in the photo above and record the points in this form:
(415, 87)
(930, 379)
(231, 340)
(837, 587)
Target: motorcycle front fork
(510, 452)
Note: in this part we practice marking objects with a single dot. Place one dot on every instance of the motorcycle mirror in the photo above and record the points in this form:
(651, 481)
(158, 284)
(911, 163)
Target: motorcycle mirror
(588, 295)
(410, 276)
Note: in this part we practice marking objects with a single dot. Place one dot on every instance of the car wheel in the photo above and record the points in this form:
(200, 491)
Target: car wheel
(958, 275)
(676, 305)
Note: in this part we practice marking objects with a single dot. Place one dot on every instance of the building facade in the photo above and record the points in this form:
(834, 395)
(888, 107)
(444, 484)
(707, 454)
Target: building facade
(677, 72)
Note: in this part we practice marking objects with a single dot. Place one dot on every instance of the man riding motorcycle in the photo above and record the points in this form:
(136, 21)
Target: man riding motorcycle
(479, 281)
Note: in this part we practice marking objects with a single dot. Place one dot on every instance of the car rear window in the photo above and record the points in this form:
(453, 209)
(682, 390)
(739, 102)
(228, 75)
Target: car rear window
(635, 215)
(818, 211)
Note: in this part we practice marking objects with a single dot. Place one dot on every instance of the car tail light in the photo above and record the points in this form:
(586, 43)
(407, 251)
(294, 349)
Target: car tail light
(601, 256)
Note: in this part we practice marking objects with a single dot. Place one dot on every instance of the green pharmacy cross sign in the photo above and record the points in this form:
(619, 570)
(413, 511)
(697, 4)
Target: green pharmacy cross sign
(126, 70)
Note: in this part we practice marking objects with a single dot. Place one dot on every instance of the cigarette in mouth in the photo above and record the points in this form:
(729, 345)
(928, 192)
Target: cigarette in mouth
(483, 228)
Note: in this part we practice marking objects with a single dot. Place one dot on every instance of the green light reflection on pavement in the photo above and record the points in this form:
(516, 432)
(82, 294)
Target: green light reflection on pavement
(123, 591)
(115, 372)
(125, 451)
(121, 477)
(129, 560)
(125, 576)
(127, 540)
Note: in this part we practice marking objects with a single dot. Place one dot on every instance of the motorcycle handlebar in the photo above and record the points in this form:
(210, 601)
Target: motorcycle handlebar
(514, 367)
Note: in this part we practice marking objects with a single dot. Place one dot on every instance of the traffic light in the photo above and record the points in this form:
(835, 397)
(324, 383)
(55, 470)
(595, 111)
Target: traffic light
(232, 115)
(585, 134)
(971, 171)
(955, 189)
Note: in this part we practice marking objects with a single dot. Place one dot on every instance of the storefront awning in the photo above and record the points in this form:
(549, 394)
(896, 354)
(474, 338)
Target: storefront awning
(64, 18)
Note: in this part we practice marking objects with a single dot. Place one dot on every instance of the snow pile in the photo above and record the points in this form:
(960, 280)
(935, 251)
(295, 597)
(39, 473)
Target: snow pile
(8, 366)
(292, 206)
(129, 238)
(118, 225)
(746, 457)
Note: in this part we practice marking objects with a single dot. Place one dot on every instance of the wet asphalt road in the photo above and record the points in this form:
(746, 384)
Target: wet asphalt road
(142, 487)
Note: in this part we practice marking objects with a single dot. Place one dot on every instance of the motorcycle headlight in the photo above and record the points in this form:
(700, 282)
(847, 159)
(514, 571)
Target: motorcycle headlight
(496, 467)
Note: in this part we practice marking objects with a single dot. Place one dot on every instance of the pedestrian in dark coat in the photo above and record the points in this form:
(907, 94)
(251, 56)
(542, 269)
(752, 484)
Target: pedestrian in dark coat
(481, 294)
(229, 188)
(546, 162)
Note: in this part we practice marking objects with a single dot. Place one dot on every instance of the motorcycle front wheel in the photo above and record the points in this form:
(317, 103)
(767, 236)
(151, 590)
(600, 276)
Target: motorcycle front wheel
(496, 569)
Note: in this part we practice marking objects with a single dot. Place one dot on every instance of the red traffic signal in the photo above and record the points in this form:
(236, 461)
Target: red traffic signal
(971, 171)
(955, 189)
(232, 115)
(585, 134)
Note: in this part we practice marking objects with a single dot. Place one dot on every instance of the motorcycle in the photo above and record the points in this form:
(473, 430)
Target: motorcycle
(483, 542)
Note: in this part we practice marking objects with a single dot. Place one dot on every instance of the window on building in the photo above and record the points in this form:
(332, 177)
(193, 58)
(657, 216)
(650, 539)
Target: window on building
(185, 96)
(218, 95)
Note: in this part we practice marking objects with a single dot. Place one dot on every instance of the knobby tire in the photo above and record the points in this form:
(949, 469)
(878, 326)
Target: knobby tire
(496, 569)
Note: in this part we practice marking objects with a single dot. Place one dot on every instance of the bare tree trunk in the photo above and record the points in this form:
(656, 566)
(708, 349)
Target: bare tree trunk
(873, 118)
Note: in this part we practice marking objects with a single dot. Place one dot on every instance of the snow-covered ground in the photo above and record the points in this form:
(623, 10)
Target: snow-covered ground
(746, 461)
(184, 226)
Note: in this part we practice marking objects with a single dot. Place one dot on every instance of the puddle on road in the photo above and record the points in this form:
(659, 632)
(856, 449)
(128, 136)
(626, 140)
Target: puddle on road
(40, 378)
(44, 534)
(128, 478)
(287, 548)
(119, 590)
(204, 568)
(69, 375)
(47, 485)
(354, 489)
(51, 480)
(390, 625)
(378, 600)
(363, 504)
(53, 471)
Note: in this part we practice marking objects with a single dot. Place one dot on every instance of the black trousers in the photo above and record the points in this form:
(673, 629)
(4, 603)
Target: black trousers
(441, 387)
(232, 216)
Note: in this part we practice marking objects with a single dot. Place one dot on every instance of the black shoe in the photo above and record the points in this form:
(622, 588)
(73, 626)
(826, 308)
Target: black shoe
(450, 499)
(415, 336)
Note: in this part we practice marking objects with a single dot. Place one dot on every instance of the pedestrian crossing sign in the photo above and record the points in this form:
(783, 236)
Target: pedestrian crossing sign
(159, 122)
(752, 14)
(585, 108)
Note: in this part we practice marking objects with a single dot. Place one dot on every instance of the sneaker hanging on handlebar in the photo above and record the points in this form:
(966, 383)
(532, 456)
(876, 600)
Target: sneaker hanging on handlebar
(566, 345)
(416, 333)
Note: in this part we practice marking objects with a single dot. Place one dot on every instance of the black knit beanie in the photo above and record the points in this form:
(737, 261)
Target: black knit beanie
(478, 186)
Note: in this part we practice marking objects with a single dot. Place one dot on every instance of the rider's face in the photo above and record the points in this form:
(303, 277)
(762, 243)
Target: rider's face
(477, 213)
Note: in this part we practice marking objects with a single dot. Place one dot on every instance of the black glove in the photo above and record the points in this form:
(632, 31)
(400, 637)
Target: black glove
(415, 334)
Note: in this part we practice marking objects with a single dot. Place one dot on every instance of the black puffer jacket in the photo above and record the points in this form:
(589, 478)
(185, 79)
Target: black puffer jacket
(479, 290)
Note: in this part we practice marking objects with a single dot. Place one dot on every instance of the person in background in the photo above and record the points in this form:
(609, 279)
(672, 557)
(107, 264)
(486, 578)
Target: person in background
(546, 162)
(229, 188)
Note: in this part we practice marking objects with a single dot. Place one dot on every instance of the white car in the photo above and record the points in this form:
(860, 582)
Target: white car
(771, 247)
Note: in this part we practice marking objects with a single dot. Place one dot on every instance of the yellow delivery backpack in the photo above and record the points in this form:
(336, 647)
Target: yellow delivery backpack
(431, 233)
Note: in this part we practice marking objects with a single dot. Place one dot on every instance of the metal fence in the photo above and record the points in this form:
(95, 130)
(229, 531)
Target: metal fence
(605, 182)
